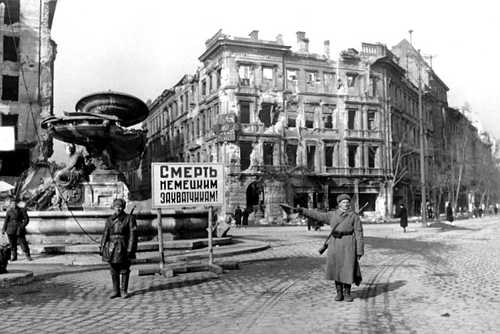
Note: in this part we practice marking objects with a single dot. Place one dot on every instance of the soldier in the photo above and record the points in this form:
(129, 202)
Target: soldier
(345, 248)
(118, 246)
(237, 216)
(14, 225)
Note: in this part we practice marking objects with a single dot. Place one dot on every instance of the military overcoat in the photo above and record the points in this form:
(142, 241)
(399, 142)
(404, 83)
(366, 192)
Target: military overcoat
(15, 221)
(343, 248)
(119, 241)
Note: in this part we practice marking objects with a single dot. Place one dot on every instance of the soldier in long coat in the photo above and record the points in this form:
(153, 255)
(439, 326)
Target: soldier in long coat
(118, 247)
(345, 247)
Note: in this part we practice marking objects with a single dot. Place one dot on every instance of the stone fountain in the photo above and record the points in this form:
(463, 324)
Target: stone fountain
(70, 205)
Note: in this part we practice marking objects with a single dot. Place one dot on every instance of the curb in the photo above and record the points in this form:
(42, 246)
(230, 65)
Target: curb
(16, 277)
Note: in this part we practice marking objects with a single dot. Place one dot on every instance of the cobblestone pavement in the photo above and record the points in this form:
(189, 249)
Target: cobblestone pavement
(423, 281)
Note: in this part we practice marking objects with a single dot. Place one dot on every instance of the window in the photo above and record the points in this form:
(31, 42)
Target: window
(291, 78)
(10, 120)
(373, 86)
(245, 150)
(10, 45)
(203, 124)
(329, 149)
(351, 79)
(311, 77)
(328, 121)
(311, 154)
(203, 87)
(10, 88)
(267, 74)
(219, 73)
(291, 153)
(372, 125)
(244, 75)
(352, 150)
(372, 155)
(329, 80)
(244, 112)
(11, 14)
(268, 153)
(309, 120)
(268, 114)
(351, 118)
(292, 121)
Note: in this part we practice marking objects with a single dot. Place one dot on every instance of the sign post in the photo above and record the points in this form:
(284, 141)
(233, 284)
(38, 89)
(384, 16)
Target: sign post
(160, 242)
(187, 185)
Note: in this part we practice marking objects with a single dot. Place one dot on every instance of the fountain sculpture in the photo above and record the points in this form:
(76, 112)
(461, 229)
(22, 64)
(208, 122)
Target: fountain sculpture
(71, 203)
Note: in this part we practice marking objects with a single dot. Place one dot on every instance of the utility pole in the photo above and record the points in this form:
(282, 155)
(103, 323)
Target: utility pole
(422, 153)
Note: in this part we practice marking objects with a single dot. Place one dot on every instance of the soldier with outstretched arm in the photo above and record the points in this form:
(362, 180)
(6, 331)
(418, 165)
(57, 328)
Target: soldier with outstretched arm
(345, 246)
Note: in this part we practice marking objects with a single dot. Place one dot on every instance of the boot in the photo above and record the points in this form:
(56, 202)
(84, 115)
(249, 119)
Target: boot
(124, 284)
(115, 277)
(347, 293)
(28, 256)
(14, 256)
(340, 296)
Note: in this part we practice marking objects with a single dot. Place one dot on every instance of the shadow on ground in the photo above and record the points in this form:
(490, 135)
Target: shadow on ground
(376, 289)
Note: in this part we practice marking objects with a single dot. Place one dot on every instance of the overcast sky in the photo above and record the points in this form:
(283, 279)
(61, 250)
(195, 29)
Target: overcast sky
(144, 47)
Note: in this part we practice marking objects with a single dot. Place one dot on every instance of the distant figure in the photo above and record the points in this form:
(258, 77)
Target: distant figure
(14, 226)
(495, 209)
(449, 213)
(403, 217)
(246, 213)
(480, 212)
(237, 216)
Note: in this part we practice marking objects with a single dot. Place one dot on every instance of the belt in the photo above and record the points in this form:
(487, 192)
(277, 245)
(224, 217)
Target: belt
(341, 234)
(117, 236)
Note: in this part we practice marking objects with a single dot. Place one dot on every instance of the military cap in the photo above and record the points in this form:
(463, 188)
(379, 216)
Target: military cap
(342, 197)
(119, 202)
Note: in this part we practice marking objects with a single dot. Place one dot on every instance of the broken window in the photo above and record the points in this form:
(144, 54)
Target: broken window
(203, 87)
(329, 149)
(244, 75)
(292, 79)
(372, 155)
(203, 124)
(309, 121)
(244, 112)
(10, 88)
(311, 77)
(268, 153)
(10, 45)
(218, 80)
(267, 74)
(372, 125)
(373, 86)
(291, 153)
(328, 121)
(245, 151)
(11, 14)
(311, 154)
(329, 80)
(351, 79)
(292, 121)
(351, 118)
(352, 151)
(268, 114)
(10, 120)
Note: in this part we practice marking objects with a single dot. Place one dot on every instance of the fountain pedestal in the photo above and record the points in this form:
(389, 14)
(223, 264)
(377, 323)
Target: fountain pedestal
(104, 186)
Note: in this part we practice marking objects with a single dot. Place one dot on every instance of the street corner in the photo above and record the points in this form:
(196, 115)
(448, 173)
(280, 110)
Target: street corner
(16, 277)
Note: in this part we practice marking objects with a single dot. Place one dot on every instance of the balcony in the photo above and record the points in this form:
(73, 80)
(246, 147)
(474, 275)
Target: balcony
(354, 171)
(363, 134)
(249, 128)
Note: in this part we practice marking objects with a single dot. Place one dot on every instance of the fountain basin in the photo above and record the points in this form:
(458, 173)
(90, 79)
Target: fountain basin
(51, 227)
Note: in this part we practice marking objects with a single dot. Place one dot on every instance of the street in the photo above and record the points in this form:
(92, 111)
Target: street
(424, 281)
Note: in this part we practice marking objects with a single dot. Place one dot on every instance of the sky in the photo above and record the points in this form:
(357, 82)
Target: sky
(144, 47)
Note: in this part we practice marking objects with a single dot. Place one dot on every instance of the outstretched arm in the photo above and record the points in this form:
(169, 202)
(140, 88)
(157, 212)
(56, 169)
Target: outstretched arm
(315, 214)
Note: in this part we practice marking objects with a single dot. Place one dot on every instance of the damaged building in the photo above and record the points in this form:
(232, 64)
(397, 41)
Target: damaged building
(291, 126)
(27, 56)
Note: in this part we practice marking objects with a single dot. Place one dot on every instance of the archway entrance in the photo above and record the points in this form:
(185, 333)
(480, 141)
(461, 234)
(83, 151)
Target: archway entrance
(255, 195)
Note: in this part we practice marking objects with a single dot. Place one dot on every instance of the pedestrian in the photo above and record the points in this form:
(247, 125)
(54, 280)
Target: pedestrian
(237, 216)
(14, 226)
(495, 209)
(246, 213)
(480, 212)
(449, 213)
(118, 246)
(345, 247)
(403, 217)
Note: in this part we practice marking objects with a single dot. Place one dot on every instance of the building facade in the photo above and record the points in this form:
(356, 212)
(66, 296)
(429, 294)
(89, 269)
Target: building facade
(27, 77)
